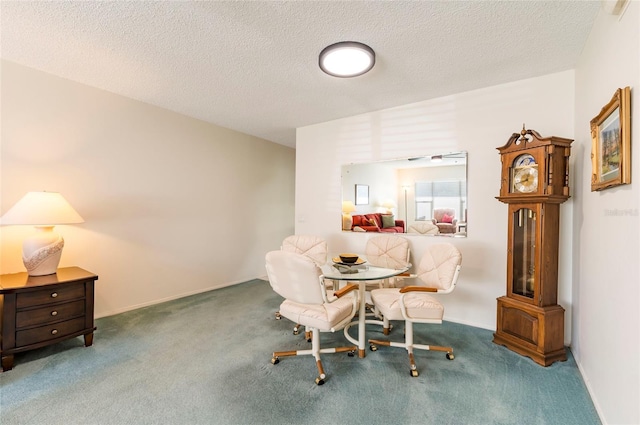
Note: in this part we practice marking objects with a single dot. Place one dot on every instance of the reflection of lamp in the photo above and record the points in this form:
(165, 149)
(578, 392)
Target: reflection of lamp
(406, 208)
(389, 206)
(41, 252)
(347, 209)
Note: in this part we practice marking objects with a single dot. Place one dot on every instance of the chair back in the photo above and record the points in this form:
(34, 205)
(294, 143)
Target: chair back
(424, 228)
(295, 277)
(438, 213)
(388, 251)
(313, 247)
(439, 266)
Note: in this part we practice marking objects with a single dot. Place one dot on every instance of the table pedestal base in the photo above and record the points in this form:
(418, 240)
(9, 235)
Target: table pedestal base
(362, 340)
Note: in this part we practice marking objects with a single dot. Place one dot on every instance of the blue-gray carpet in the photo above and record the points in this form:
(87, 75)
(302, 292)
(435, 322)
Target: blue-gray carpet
(205, 359)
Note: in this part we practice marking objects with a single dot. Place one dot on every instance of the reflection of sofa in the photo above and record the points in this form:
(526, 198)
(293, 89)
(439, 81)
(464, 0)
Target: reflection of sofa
(380, 224)
(445, 219)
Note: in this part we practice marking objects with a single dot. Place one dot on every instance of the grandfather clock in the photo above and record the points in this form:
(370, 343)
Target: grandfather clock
(535, 181)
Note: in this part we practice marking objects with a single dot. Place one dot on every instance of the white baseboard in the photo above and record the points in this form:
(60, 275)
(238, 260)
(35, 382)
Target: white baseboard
(173, 297)
(587, 383)
(473, 324)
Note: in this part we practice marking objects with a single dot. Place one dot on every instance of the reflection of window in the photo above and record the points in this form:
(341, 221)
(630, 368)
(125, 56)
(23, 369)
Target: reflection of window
(440, 194)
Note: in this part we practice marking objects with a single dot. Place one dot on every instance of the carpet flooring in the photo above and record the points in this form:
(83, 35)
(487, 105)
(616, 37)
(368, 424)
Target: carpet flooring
(205, 359)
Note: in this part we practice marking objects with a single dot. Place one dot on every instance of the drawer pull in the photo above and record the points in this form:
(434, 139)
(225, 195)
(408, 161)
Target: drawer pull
(54, 313)
(54, 295)
(53, 332)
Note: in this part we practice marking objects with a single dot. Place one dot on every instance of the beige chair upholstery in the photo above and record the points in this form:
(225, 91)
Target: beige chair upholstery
(438, 270)
(313, 247)
(389, 251)
(438, 215)
(424, 228)
(299, 280)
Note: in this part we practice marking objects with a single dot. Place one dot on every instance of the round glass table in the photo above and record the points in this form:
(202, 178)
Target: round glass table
(360, 274)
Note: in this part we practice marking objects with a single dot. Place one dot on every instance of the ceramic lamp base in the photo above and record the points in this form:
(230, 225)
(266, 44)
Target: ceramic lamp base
(41, 252)
(347, 221)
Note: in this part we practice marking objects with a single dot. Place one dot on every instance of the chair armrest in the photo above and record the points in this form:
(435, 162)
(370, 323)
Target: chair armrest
(417, 289)
(343, 291)
(434, 221)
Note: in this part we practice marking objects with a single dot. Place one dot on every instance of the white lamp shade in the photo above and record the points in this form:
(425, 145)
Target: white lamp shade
(41, 252)
(348, 207)
(389, 204)
(41, 209)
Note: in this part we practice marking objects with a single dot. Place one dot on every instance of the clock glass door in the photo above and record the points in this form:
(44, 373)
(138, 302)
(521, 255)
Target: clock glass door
(524, 241)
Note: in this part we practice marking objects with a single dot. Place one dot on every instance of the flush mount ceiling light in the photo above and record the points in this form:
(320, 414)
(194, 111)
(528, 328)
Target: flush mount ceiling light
(347, 59)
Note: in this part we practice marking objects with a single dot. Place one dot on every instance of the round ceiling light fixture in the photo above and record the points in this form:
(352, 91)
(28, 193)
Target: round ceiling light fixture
(347, 59)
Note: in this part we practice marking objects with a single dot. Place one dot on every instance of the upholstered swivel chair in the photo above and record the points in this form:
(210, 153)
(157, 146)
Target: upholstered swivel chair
(389, 251)
(299, 280)
(445, 219)
(313, 247)
(438, 270)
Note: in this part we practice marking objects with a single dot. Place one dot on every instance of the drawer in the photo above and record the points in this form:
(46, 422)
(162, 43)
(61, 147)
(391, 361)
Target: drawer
(49, 314)
(58, 293)
(48, 332)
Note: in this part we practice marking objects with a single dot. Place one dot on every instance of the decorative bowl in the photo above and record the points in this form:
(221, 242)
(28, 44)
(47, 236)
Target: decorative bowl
(349, 258)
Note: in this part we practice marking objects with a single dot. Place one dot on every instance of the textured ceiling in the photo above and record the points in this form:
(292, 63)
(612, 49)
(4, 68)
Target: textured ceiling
(253, 66)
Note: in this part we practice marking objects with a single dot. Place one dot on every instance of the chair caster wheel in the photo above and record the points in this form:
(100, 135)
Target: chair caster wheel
(296, 331)
(351, 353)
(278, 316)
(414, 373)
(450, 356)
(275, 360)
(373, 347)
(319, 381)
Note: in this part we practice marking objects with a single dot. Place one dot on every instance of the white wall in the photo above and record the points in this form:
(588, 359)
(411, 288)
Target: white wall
(606, 229)
(173, 205)
(381, 182)
(477, 122)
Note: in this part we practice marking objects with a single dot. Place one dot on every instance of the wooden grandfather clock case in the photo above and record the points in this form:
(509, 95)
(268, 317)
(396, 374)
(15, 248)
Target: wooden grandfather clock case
(534, 182)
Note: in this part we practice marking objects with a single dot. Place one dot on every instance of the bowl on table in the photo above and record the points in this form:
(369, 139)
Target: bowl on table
(349, 258)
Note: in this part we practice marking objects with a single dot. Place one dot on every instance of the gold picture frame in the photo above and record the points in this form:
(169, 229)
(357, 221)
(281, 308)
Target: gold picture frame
(611, 143)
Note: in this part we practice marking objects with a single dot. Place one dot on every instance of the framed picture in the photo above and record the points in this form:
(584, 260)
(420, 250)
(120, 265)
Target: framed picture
(611, 143)
(362, 194)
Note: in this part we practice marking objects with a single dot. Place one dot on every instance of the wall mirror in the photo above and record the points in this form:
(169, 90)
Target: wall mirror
(422, 196)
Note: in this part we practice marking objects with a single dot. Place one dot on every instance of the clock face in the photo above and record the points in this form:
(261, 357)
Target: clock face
(525, 179)
(524, 160)
(524, 174)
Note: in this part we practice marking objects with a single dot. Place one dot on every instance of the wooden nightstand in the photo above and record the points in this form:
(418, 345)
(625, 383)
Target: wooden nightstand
(36, 311)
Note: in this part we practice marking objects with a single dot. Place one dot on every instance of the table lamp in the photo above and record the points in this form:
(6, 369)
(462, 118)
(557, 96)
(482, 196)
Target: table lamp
(347, 209)
(41, 252)
(388, 205)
